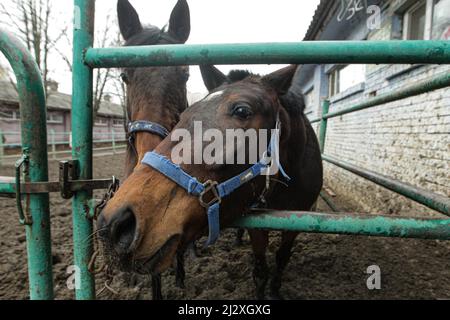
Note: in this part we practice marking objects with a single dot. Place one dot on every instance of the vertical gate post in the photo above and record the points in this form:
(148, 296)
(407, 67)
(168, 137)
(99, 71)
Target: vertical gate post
(33, 115)
(113, 140)
(84, 12)
(2, 147)
(323, 125)
(53, 141)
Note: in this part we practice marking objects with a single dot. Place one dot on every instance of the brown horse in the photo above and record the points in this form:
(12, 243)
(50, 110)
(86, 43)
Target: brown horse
(167, 217)
(155, 96)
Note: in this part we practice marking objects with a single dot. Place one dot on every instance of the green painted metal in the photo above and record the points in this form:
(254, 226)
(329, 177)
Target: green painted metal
(34, 142)
(82, 123)
(350, 224)
(345, 52)
(323, 125)
(431, 200)
(7, 186)
(436, 82)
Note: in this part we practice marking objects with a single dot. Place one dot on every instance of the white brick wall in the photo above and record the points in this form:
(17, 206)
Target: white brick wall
(408, 140)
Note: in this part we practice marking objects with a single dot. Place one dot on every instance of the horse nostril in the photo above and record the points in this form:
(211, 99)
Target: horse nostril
(123, 230)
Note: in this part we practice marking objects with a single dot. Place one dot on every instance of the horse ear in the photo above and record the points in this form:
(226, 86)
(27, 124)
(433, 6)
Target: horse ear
(129, 22)
(180, 21)
(212, 77)
(281, 80)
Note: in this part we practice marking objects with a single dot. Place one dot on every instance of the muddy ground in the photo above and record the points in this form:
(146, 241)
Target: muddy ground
(322, 266)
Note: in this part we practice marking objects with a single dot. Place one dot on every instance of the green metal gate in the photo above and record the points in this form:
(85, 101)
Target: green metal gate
(80, 186)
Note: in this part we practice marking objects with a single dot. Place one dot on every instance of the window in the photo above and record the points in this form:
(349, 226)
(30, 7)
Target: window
(414, 22)
(427, 19)
(118, 123)
(344, 78)
(309, 98)
(6, 114)
(101, 122)
(55, 117)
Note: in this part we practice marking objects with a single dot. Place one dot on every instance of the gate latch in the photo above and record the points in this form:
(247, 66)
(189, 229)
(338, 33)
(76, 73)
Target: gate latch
(69, 183)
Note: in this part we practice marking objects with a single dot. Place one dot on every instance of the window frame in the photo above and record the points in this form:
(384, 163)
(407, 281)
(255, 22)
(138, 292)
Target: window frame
(99, 122)
(429, 15)
(307, 94)
(15, 115)
(118, 124)
(53, 121)
(334, 80)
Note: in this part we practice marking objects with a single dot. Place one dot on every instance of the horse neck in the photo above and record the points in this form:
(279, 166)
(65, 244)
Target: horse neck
(166, 116)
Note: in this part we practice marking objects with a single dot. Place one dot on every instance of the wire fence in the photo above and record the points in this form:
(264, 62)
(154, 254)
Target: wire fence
(60, 146)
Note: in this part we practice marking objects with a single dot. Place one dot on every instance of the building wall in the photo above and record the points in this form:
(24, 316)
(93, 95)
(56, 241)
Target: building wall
(408, 140)
(58, 131)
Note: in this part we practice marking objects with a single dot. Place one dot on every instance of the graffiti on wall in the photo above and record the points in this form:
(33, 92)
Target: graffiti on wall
(349, 8)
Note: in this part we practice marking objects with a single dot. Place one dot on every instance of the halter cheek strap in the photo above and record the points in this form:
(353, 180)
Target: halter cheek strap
(218, 191)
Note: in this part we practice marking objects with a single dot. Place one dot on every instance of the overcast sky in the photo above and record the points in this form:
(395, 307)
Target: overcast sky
(212, 21)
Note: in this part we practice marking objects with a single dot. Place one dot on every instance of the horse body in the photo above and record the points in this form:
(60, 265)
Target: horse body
(167, 218)
(302, 162)
(154, 95)
(305, 170)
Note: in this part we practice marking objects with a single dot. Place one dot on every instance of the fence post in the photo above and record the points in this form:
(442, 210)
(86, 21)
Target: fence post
(52, 137)
(82, 123)
(2, 150)
(323, 125)
(34, 145)
(113, 141)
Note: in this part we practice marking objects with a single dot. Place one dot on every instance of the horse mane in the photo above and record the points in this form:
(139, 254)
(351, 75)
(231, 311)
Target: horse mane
(150, 35)
(293, 102)
(238, 75)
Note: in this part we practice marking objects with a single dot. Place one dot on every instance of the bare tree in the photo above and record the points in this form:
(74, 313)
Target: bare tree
(104, 79)
(117, 87)
(31, 21)
(102, 76)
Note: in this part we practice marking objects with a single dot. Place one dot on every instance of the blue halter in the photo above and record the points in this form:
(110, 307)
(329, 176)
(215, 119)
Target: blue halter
(218, 191)
(147, 126)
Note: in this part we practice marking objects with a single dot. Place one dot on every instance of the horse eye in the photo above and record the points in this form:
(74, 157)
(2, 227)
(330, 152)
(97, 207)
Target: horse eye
(242, 111)
(124, 78)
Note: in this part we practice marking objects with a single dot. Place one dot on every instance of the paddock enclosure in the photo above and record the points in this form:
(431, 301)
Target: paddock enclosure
(31, 187)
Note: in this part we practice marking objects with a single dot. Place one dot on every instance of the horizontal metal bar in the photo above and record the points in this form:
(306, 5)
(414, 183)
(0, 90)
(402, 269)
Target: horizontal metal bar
(8, 186)
(316, 120)
(307, 52)
(350, 224)
(431, 200)
(436, 82)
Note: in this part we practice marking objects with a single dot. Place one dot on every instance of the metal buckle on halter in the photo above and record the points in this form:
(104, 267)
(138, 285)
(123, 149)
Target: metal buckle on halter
(210, 186)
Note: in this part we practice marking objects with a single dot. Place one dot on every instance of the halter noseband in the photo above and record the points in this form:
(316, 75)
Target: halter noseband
(217, 190)
(147, 126)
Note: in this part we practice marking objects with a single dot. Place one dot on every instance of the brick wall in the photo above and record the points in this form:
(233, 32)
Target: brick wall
(408, 140)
